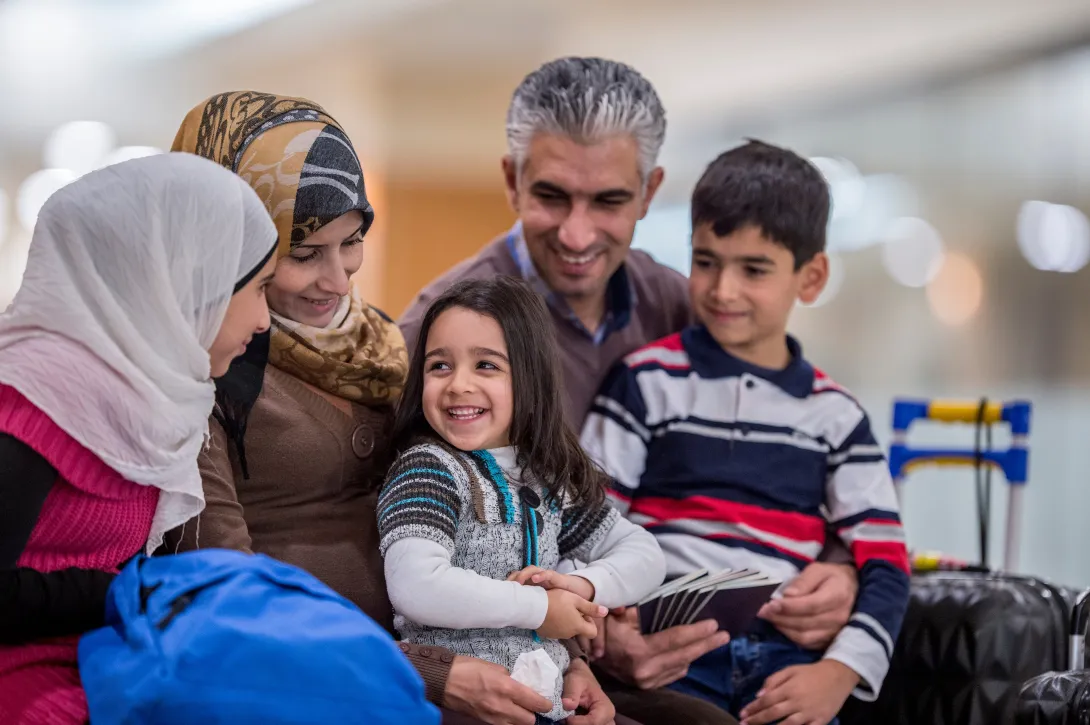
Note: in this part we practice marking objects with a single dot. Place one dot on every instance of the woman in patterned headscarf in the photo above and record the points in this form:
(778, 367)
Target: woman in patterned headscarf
(301, 421)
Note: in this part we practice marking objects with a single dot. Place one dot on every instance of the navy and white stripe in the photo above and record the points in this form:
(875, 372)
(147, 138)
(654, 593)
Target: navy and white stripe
(732, 465)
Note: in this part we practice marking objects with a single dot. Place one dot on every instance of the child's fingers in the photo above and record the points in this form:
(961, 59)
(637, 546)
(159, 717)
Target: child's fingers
(586, 628)
(590, 609)
(545, 578)
(777, 679)
(524, 576)
(769, 699)
(763, 711)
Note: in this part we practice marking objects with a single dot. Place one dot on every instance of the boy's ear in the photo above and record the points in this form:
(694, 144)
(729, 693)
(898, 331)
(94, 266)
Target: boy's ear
(813, 277)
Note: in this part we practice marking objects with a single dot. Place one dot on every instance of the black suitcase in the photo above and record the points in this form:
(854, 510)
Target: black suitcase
(968, 643)
(1061, 698)
(970, 640)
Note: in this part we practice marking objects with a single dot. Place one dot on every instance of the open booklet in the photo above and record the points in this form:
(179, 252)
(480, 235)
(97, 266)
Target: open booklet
(731, 597)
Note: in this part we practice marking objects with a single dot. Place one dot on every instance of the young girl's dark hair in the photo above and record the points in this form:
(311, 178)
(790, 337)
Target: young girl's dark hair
(546, 445)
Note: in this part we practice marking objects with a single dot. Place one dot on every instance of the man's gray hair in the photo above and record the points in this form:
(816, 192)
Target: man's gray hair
(587, 100)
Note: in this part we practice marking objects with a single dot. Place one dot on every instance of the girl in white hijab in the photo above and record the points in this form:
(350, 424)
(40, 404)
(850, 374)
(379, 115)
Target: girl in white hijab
(144, 281)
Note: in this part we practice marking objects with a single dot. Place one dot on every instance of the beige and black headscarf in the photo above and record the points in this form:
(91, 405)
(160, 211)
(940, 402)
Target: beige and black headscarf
(303, 167)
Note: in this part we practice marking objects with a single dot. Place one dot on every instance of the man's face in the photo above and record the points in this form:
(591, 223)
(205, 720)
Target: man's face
(579, 205)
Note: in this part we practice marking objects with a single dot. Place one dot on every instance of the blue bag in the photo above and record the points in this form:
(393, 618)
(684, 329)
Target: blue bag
(217, 636)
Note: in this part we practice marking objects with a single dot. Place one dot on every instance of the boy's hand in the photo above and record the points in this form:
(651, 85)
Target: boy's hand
(802, 695)
(548, 579)
(569, 615)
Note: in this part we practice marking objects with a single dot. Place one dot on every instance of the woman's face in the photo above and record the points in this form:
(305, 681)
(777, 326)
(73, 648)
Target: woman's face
(311, 280)
(247, 315)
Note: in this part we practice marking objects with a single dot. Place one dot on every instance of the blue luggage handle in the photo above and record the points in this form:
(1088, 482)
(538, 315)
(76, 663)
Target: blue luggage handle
(1013, 462)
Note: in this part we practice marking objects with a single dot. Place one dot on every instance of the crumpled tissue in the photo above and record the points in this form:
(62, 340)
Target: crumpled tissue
(537, 671)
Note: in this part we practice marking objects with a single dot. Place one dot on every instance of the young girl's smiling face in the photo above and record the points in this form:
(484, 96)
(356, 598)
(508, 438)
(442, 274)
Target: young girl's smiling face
(468, 395)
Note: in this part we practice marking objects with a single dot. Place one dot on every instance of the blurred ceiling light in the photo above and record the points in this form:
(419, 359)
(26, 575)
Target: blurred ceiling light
(1053, 237)
(846, 186)
(128, 153)
(912, 251)
(834, 283)
(34, 192)
(956, 293)
(79, 146)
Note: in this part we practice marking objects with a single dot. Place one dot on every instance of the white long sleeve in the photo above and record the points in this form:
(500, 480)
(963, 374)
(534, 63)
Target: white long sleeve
(426, 589)
(626, 565)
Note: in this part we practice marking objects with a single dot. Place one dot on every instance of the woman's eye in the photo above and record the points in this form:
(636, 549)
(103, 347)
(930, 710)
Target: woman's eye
(438, 366)
(306, 258)
(353, 241)
(485, 365)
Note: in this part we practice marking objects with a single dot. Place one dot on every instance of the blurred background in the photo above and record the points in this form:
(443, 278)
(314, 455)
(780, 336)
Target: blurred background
(955, 135)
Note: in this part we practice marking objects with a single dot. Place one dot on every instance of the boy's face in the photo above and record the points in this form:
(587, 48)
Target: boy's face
(743, 287)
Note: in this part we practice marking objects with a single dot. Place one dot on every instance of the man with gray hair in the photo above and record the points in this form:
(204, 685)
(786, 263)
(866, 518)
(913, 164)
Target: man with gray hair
(583, 138)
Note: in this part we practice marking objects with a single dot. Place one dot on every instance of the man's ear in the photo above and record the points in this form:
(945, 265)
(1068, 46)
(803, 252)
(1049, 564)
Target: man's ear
(511, 181)
(815, 275)
(654, 181)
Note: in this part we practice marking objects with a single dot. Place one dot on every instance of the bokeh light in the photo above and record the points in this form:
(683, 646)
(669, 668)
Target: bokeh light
(846, 186)
(957, 291)
(79, 146)
(1053, 237)
(912, 251)
(128, 153)
(34, 192)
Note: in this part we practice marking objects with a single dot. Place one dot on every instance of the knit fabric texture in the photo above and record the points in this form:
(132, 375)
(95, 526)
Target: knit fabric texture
(92, 519)
(470, 504)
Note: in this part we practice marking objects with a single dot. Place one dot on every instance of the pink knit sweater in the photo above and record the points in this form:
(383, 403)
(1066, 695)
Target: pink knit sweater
(92, 519)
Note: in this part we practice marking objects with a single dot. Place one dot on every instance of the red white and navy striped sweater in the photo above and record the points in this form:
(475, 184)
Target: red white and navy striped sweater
(731, 466)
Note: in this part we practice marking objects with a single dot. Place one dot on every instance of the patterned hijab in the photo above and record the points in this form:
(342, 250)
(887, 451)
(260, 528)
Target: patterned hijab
(303, 167)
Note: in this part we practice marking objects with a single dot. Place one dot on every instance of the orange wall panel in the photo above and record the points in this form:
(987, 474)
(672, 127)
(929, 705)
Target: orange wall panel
(430, 228)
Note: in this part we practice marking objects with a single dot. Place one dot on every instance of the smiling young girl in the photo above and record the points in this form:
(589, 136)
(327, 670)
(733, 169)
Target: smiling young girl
(491, 490)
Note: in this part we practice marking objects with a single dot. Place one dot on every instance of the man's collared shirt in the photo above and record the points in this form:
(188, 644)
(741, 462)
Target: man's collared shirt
(620, 295)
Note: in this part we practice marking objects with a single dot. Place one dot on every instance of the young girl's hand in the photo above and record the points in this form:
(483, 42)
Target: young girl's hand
(569, 615)
(549, 579)
(802, 695)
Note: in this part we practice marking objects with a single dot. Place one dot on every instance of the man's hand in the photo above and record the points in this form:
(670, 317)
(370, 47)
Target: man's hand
(486, 691)
(816, 605)
(581, 690)
(655, 660)
(802, 695)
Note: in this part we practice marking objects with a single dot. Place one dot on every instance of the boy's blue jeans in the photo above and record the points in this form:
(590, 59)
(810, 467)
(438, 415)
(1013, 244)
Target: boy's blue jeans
(731, 676)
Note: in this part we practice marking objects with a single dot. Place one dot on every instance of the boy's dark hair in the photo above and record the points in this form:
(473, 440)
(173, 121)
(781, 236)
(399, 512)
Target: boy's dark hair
(768, 187)
(546, 445)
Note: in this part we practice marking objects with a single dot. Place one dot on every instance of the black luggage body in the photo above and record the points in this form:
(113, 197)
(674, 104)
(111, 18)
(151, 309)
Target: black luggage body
(968, 643)
(1055, 698)
(1061, 698)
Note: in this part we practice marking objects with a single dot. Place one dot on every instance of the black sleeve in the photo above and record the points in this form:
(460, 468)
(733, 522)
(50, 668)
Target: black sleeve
(25, 481)
(34, 605)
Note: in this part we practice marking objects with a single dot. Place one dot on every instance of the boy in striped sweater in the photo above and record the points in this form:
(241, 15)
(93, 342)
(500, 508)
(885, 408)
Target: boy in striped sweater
(735, 452)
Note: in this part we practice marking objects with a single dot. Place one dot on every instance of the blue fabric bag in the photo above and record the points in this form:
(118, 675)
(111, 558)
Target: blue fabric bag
(217, 636)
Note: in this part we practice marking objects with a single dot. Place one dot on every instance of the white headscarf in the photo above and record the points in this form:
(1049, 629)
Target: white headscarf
(130, 272)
